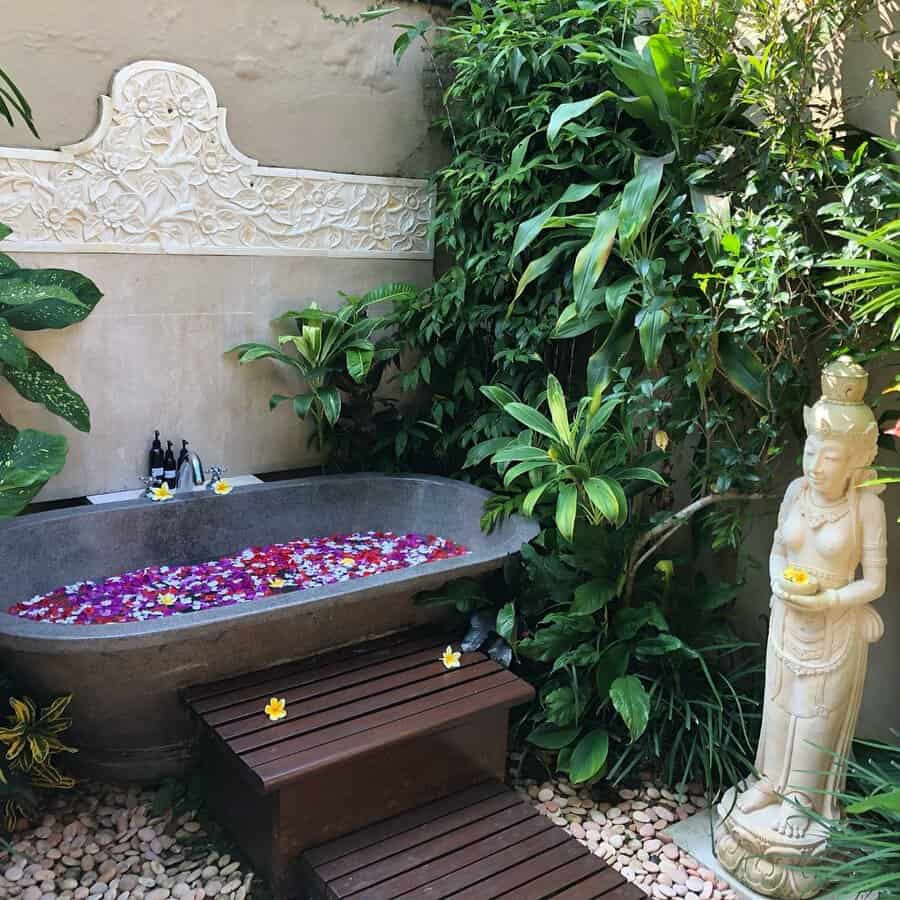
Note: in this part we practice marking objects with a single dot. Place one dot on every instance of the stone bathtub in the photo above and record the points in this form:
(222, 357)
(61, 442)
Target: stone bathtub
(128, 720)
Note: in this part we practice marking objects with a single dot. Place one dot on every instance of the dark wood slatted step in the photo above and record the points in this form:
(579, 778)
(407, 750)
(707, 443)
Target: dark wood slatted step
(349, 706)
(373, 731)
(480, 844)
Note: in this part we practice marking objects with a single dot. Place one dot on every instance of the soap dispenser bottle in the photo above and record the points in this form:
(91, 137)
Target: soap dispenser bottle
(169, 473)
(157, 460)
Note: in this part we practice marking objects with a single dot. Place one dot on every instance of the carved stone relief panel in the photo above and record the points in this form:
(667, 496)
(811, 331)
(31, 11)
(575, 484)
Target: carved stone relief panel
(160, 175)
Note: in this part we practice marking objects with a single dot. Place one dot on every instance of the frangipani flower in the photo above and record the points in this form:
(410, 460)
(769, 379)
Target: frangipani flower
(276, 709)
(795, 575)
(161, 493)
(348, 561)
(222, 487)
(450, 658)
(277, 583)
(167, 599)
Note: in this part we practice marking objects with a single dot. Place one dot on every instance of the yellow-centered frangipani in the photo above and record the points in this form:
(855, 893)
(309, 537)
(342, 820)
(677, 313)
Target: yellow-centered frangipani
(450, 658)
(795, 575)
(167, 599)
(161, 493)
(222, 487)
(276, 709)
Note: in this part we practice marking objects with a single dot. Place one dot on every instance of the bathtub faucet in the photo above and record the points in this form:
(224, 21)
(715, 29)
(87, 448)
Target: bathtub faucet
(190, 469)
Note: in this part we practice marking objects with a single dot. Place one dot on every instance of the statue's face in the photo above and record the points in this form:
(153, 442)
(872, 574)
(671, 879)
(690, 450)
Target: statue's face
(827, 464)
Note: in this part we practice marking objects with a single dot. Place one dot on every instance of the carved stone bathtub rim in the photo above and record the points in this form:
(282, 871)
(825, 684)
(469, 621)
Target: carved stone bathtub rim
(128, 721)
(181, 141)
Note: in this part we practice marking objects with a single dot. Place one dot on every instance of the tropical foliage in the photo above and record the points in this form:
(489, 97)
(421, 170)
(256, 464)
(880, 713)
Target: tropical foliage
(335, 353)
(32, 739)
(32, 300)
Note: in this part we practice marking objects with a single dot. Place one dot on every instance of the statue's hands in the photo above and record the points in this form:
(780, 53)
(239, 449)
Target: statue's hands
(826, 599)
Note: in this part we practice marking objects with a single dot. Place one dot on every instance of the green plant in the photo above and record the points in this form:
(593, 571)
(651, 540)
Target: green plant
(335, 352)
(32, 300)
(32, 740)
(863, 852)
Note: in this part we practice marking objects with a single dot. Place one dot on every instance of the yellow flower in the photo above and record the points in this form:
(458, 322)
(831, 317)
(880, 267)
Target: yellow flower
(661, 439)
(166, 599)
(222, 487)
(348, 561)
(277, 582)
(795, 575)
(450, 658)
(161, 493)
(276, 709)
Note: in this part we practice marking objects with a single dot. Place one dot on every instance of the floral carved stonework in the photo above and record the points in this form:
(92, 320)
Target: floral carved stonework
(160, 175)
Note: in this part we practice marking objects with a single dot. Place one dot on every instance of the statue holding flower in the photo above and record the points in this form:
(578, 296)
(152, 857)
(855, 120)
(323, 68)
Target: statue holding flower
(827, 565)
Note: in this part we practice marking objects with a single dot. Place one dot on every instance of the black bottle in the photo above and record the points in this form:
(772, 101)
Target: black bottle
(157, 460)
(169, 473)
(183, 456)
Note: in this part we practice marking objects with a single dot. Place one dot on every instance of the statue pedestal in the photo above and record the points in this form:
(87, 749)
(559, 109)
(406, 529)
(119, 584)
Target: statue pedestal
(748, 847)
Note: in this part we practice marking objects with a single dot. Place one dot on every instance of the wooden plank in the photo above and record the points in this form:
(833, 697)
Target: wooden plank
(344, 704)
(549, 884)
(523, 873)
(313, 685)
(207, 697)
(317, 856)
(269, 743)
(499, 694)
(406, 842)
(533, 835)
(608, 884)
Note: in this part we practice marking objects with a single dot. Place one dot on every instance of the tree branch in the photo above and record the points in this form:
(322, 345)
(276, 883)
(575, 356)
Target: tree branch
(650, 541)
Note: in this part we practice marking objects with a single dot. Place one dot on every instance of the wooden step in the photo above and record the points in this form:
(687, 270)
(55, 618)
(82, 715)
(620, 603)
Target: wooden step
(478, 844)
(370, 731)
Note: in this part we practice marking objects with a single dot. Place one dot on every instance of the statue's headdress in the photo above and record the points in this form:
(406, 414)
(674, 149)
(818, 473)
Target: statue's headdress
(841, 412)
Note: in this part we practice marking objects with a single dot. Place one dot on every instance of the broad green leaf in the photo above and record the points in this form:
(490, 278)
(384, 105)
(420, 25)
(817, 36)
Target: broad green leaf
(632, 703)
(33, 299)
(632, 619)
(532, 419)
(539, 266)
(659, 645)
(276, 400)
(566, 509)
(565, 112)
(480, 452)
(533, 496)
(638, 199)
(615, 294)
(742, 367)
(603, 362)
(550, 737)
(593, 595)
(330, 398)
(359, 362)
(252, 352)
(604, 496)
(592, 258)
(516, 451)
(302, 403)
(28, 459)
(560, 707)
(531, 228)
(40, 383)
(7, 264)
(570, 324)
(499, 395)
(5, 231)
(611, 665)
(641, 473)
(556, 401)
(889, 801)
(506, 623)
(523, 468)
(652, 326)
(12, 351)
(589, 756)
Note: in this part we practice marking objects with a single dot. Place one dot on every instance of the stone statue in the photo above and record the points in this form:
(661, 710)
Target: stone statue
(830, 530)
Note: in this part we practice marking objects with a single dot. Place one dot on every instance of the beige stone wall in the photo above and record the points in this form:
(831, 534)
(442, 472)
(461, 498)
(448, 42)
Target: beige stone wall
(300, 92)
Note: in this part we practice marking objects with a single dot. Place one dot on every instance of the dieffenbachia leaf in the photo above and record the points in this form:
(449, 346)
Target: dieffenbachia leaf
(40, 383)
(33, 299)
(28, 459)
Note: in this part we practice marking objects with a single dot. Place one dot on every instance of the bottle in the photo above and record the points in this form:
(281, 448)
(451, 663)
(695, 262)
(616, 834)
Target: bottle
(169, 473)
(157, 460)
(183, 456)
